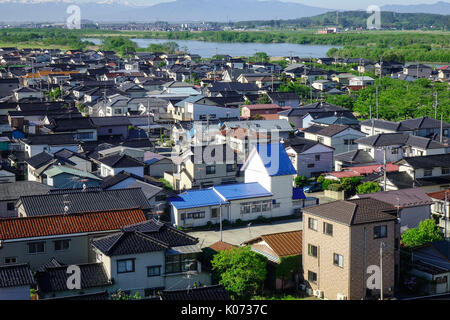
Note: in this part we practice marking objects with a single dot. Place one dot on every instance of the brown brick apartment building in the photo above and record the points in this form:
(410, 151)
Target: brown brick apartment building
(341, 240)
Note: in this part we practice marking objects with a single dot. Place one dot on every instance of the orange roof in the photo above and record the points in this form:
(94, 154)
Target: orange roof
(440, 195)
(221, 246)
(282, 243)
(44, 73)
(41, 226)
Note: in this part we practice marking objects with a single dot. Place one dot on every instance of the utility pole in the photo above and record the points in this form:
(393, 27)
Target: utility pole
(445, 213)
(377, 102)
(384, 174)
(381, 269)
(441, 133)
(220, 217)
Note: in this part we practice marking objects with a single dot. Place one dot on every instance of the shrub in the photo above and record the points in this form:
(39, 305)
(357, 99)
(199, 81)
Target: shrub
(320, 179)
(335, 187)
(226, 222)
(326, 183)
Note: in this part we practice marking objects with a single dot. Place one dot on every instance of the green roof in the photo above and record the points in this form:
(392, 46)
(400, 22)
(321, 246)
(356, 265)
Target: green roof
(56, 170)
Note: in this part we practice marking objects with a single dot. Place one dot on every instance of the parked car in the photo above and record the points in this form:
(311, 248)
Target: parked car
(313, 187)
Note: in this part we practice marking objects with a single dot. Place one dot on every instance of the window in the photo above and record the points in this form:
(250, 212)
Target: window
(214, 212)
(349, 142)
(445, 171)
(256, 206)
(266, 205)
(181, 263)
(85, 135)
(338, 260)
(428, 172)
(117, 111)
(230, 167)
(245, 208)
(320, 139)
(328, 229)
(195, 215)
(312, 276)
(380, 232)
(310, 165)
(10, 206)
(210, 169)
(125, 266)
(394, 151)
(153, 271)
(317, 157)
(312, 250)
(9, 260)
(312, 224)
(62, 245)
(36, 247)
(110, 131)
(161, 197)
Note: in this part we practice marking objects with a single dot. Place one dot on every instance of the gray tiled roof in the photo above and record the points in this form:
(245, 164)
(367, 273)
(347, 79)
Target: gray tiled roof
(210, 293)
(84, 201)
(16, 275)
(353, 212)
(427, 162)
(144, 237)
(54, 279)
(15, 190)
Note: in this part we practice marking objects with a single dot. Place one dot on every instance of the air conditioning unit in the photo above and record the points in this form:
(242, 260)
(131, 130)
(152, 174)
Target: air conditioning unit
(341, 297)
(318, 293)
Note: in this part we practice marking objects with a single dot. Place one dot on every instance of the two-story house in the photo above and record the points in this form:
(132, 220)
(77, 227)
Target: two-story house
(344, 243)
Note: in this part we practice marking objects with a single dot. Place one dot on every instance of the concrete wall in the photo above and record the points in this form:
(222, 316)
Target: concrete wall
(15, 293)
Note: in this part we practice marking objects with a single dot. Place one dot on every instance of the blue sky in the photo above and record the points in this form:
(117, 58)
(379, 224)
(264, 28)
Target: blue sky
(333, 4)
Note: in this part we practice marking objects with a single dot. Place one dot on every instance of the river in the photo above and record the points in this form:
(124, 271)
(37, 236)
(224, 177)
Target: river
(209, 49)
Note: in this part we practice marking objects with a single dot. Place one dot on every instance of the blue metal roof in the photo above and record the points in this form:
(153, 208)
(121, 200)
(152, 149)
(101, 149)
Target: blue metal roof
(297, 193)
(192, 99)
(242, 191)
(196, 198)
(275, 159)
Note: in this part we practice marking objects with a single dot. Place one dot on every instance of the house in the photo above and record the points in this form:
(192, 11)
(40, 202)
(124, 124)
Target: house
(418, 71)
(27, 93)
(277, 247)
(441, 208)
(202, 166)
(148, 257)
(251, 110)
(7, 86)
(157, 164)
(65, 177)
(52, 278)
(362, 81)
(276, 128)
(431, 173)
(341, 248)
(310, 158)
(284, 99)
(10, 192)
(112, 164)
(16, 281)
(356, 157)
(423, 127)
(340, 137)
(413, 205)
(50, 143)
(65, 237)
(242, 88)
(395, 146)
(432, 262)
(267, 192)
(81, 128)
(323, 85)
(77, 201)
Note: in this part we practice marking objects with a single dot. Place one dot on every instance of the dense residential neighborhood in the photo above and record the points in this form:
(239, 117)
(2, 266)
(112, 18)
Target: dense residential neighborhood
(162, 176)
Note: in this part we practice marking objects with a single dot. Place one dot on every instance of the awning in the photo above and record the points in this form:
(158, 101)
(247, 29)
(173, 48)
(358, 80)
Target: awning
(184, 250)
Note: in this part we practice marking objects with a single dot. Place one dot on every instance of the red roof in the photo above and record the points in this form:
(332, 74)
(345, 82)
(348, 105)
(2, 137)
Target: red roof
(440, 195)
(50, 225)
(263, 107)
(222, 246)
(363, 170)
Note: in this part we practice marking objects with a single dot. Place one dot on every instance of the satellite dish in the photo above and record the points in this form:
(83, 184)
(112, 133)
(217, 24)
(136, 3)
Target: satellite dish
(84, 186)
(66, 209)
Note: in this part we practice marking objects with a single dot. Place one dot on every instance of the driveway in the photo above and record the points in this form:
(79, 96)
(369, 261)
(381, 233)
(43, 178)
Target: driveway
(240, 234)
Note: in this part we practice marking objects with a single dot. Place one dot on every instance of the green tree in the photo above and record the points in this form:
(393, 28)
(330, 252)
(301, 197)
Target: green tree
(426, 232)
(301, 181)
(242, 271)
(287, 267)
(264, 100)
(368, 187)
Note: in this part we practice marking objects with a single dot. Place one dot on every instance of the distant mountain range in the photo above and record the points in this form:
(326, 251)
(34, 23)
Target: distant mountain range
(178, 11)
(440, 7)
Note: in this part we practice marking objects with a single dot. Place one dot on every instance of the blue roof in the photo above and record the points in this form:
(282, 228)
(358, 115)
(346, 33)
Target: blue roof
(192, 99)
(275, 159)
(151, 161)
(196, 198)
(297, 193)
(242, 191)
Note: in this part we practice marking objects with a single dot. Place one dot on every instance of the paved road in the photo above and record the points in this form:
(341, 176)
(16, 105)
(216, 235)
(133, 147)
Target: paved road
(238, 235)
